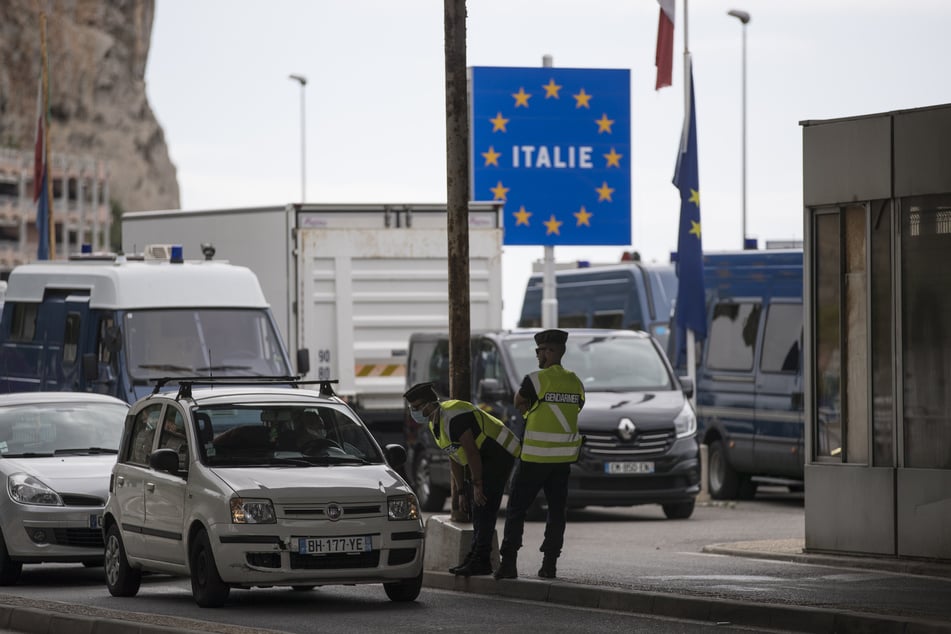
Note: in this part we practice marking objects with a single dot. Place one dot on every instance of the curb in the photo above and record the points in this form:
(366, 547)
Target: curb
(761, 615)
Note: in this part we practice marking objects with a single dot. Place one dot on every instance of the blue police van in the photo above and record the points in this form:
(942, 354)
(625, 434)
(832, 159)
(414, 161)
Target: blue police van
(749, 385)
(630, 295)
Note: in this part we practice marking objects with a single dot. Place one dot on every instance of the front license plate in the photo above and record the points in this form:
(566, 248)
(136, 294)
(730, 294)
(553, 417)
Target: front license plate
(628, 467)
(95, 521)
(326, 545)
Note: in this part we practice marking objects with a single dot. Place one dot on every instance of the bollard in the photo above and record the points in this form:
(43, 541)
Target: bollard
(704, 496)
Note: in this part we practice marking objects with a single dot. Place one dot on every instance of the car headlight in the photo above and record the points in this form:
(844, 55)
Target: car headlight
(402, 507)
(26, 489)
(252, 511)
(686, 422)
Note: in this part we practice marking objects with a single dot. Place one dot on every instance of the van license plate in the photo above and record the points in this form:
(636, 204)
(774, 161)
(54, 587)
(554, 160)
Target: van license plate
(628, 467)
(325, 545)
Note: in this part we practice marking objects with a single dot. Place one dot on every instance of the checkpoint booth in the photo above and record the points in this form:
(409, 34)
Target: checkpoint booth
(877, 333)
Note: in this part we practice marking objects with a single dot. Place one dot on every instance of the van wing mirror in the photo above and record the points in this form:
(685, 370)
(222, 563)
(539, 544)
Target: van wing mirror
(90, 367)
(303, 361)
(395, 455)
(492, 390)
(686, 384)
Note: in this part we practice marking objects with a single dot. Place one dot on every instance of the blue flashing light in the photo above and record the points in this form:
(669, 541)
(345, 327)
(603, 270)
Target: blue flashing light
(583, 264)
(177, 257)
(750, 244)
(86, 248)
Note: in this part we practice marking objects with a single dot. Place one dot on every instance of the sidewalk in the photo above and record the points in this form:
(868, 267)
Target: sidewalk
(808, 593)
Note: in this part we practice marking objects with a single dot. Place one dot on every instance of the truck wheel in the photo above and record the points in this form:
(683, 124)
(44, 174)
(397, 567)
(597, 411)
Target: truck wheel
(9, 569)
(723, 480)
(122, 580)
(405, 590)
(679, 511)
(431, 497)
(207, 587)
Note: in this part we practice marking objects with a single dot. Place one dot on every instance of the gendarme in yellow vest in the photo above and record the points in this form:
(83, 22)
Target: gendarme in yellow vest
(551, 425)
(489, 427)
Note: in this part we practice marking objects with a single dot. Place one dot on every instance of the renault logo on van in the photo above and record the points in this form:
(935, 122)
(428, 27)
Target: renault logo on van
(334, 511)
(626, 429)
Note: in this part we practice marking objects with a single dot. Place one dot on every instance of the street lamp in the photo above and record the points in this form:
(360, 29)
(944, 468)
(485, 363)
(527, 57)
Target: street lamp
(743, 17)
(303, 137)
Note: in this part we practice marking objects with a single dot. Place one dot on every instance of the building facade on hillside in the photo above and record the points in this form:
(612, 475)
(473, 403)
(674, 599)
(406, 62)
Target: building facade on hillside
(81, 211)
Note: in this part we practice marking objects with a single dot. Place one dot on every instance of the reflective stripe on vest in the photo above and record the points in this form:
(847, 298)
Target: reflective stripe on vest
(551, 424)
(489, 427)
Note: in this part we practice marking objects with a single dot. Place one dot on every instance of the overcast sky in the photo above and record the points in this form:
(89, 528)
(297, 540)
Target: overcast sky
(217, 79)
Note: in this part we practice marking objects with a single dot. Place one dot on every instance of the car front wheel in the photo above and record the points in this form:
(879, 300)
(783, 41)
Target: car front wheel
(207, 587)
(405, 590)
(122, 579)
(679, 511)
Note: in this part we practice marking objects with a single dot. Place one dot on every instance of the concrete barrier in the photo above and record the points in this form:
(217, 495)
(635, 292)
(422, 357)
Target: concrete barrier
(448, 542)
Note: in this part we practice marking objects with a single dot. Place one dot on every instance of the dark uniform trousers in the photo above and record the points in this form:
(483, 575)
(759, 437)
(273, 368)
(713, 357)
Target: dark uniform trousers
(495, 475)
(530, 478)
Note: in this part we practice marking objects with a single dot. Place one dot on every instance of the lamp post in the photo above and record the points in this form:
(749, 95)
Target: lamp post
(303, 136)
(743, 17)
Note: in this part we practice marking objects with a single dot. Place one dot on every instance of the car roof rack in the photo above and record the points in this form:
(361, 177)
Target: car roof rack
(185, 383)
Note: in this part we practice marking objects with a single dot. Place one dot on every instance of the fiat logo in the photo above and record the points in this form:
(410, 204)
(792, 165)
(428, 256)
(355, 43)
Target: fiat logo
(334, 511)
(626, 429)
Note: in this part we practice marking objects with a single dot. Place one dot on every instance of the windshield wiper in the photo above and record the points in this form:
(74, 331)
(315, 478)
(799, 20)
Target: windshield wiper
(85, 450)
(167, 367)
(29, 454)
(340, 459)
(208, 368)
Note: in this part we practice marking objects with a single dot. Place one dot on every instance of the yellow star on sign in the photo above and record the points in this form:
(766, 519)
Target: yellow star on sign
(582, 99)
(584, 217)
(521, 97)
(498, 123)
(604, 192)
(695, 228)
(552, 226)
(551, 89)
(694, 197)
(604, 124)
(614, 159)
(499, 191)
(491, 157)
(522, 216)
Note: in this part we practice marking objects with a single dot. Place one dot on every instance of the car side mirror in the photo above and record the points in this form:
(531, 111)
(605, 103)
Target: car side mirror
(395, 455)
(492, 390)
(164, 460)
(303, 361)
(686, 384)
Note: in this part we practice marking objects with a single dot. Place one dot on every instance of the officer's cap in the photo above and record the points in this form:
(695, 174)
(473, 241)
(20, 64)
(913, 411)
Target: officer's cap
(551, 336)
(421, 392)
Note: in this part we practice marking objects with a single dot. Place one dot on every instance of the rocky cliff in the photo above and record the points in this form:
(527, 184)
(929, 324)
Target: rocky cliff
(98, 107)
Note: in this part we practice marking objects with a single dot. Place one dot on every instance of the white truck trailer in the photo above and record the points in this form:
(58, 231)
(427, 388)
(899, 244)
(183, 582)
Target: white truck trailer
(347, 282)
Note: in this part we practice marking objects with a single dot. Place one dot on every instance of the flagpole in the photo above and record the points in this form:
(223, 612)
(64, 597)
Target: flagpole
(51, 231)
(691, 339)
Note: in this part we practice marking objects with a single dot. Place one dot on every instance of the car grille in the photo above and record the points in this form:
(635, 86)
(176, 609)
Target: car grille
(83, 537)
(74, 499)
(336, 561)
(318, 511)
(635, 483)
(644, 443)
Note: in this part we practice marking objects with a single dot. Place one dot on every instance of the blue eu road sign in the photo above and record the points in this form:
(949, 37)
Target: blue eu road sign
(555, 145)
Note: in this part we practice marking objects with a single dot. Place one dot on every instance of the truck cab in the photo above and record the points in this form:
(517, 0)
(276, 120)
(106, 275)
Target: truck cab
(112, 324)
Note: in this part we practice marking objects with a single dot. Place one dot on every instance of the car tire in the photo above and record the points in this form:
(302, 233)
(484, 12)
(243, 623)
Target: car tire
(723, 480)
(9, 569)
(431, 497)
(208, 589)
(405, 590)
(678, 511)
(122, 579)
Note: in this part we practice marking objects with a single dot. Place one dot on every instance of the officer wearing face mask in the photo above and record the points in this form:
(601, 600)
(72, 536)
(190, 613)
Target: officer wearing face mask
(480, 446)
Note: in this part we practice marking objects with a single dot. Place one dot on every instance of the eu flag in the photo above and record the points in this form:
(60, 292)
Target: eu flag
(691, 310)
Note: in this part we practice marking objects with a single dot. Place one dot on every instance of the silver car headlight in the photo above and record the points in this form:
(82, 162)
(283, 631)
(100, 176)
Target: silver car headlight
(402, 507)
(252, 511)
(686, 422)
(26, 489)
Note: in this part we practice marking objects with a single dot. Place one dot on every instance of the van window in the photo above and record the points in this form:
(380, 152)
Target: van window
(23, 322)
(733, 336)
(71, 339)
(781, 338)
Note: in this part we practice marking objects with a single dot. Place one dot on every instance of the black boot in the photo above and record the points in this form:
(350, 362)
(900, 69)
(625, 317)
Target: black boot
(465, 562)
(474, 567)
(507, 568)
(547, 571)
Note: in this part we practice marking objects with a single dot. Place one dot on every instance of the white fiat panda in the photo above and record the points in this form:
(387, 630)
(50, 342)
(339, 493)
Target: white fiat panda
(258, 486)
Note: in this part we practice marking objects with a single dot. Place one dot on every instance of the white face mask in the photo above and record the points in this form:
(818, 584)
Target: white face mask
(419, 417)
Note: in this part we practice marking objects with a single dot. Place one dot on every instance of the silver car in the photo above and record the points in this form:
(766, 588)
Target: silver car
(57, 450)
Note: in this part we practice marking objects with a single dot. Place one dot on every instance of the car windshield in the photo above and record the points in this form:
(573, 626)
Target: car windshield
(189, 342)
(282, 435)
(604, 363)
(47, 429)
